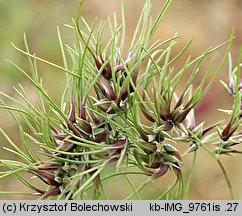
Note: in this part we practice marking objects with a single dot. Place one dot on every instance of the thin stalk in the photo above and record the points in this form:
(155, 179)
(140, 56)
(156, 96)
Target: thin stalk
(133, 188)
(16, 193)
(147, 181)
(189, 179)
(226, 178)
(168, 190)
(116, 174)
(218, 161)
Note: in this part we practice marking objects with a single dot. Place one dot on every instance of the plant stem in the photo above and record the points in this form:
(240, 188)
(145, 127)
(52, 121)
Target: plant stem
(140, 188)
(189, 179)
(133, 188)
(226, 178)
(167, 191)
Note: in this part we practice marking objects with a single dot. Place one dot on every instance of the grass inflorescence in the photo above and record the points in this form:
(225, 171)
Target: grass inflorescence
(99, 123)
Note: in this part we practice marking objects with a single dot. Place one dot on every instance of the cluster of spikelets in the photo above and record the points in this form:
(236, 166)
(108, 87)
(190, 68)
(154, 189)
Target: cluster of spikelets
(99, 120)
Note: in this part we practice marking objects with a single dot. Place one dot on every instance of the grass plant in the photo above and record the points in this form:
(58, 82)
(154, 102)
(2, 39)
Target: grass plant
(98, 125)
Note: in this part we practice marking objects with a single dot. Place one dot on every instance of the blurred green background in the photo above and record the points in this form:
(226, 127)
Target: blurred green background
(208, 22)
